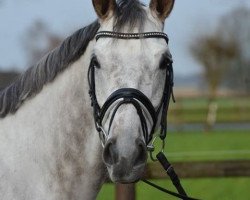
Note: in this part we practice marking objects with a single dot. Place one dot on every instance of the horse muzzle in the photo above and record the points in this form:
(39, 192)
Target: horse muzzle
(125, 166)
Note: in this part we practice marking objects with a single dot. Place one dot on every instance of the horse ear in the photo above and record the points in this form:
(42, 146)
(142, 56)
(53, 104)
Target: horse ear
(104, 7)
(162, 8)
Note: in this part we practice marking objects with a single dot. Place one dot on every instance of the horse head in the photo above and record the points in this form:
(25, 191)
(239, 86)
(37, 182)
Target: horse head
(127, 78)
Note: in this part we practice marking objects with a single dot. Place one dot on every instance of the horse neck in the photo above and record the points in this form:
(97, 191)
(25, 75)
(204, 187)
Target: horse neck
(59, 121)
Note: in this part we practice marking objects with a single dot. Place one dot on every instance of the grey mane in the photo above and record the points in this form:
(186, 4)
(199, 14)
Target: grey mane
(128, 12)
(45, 71)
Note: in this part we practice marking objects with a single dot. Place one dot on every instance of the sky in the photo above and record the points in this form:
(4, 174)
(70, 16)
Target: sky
(189, 19)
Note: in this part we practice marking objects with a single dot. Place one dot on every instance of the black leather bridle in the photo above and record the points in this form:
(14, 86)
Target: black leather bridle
(131, 95)
(140, 102)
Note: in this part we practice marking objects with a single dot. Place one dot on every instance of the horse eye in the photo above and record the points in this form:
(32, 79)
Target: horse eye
(164, 64)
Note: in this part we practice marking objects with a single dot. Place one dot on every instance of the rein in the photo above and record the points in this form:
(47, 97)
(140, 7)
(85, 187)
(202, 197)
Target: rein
(142, 105)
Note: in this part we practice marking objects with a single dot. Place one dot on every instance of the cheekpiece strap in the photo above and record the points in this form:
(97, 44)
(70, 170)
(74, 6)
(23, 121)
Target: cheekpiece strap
(127, 36)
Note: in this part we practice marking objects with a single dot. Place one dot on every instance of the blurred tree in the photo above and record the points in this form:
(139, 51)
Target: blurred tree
(235, 27)
(225, 56)
(214, 55)
(38, 41)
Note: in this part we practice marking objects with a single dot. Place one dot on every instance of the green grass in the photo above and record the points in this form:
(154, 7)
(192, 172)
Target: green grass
(215, 142)
(204, 188)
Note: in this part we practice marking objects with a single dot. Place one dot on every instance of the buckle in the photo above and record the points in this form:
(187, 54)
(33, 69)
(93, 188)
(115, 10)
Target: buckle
(151, 147)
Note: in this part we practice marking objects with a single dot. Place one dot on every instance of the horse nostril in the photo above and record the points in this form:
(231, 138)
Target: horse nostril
(110, 155)
(142, 153)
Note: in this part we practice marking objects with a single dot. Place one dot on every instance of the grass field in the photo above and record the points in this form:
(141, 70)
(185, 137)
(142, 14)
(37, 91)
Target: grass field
(192, 146)
(216, 145)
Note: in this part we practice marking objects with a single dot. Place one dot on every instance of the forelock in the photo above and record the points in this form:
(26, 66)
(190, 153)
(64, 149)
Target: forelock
(129, 14)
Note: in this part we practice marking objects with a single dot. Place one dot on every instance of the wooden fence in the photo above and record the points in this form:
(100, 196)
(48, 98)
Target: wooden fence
(200, 110)
(228, 168)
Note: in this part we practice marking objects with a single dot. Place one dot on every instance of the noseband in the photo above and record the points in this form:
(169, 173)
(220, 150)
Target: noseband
(131, 95)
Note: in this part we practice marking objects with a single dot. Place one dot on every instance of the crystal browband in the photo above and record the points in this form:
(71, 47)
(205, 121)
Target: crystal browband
(110, 34)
